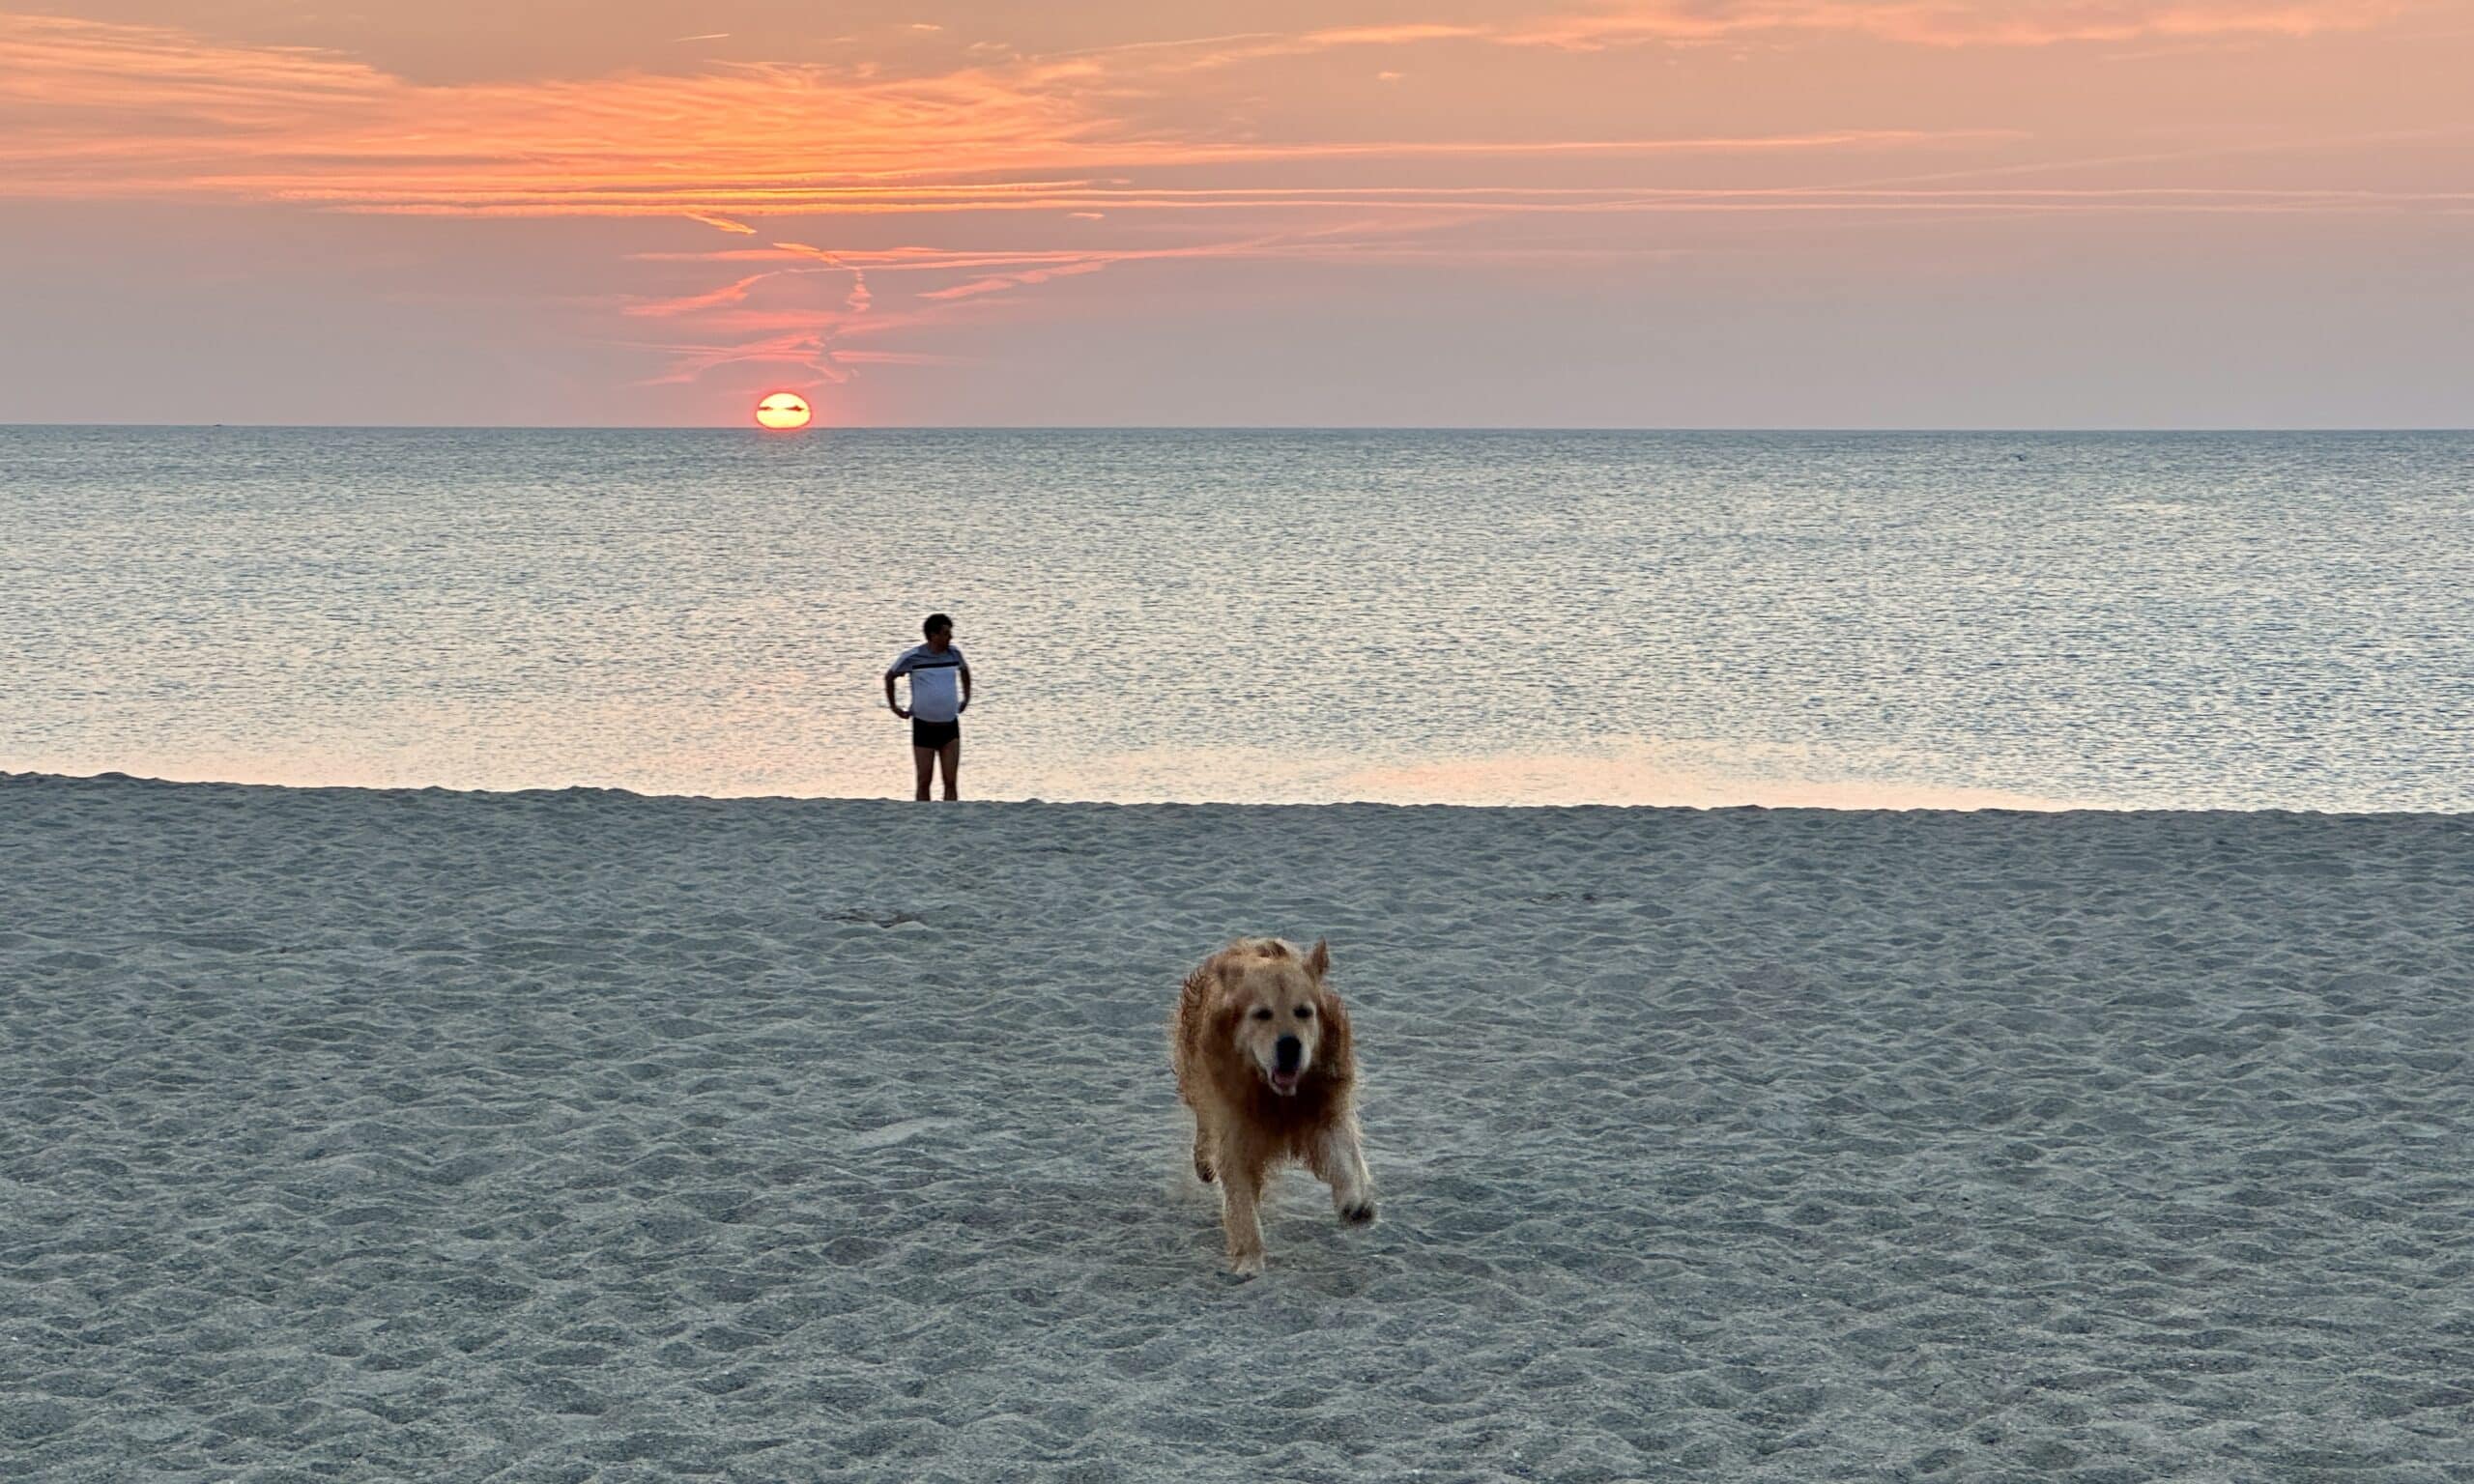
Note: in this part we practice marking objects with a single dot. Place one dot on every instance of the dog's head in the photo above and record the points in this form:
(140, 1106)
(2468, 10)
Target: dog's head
(1277, 1011)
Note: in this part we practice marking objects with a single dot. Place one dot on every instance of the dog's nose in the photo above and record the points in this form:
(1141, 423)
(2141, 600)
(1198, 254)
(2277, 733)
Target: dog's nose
(1285, 1052)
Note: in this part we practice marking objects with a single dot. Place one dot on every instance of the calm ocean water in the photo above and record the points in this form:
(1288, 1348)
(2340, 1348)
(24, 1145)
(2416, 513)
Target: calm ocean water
(2187, 620)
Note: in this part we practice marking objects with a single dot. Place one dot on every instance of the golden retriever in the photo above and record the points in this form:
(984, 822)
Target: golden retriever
(1261, 1048)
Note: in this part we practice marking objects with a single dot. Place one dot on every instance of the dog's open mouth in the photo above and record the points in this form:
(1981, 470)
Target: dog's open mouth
(1285, 1083)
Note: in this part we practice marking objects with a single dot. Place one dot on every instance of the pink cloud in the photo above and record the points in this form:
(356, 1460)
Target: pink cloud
(1952, 23)
(966, 154)
(92, 109)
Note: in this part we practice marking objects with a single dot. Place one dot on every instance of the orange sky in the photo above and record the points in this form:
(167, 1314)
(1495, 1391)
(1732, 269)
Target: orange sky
(1798, 213)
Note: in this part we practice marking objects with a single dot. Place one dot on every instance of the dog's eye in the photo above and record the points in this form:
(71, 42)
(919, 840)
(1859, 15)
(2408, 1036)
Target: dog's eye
(1263, 1012)
(1305, 1012)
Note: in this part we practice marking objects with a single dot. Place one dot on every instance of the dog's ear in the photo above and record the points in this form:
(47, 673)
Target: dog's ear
(1335, 1052)
(1319, 962)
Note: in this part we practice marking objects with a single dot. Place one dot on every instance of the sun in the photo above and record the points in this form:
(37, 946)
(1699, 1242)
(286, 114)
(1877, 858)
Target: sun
(784, 410)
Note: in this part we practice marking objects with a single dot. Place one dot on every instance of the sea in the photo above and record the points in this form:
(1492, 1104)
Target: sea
(2004, 620)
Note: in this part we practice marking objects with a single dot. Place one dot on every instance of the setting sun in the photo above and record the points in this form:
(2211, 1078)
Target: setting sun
(782, 409)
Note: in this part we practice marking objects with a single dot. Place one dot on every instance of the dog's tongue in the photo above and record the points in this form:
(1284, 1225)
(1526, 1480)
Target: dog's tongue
(1285, 1081)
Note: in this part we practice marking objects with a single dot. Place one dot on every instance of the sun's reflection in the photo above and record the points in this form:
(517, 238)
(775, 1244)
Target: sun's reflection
(1644, 777)
(1701, 775)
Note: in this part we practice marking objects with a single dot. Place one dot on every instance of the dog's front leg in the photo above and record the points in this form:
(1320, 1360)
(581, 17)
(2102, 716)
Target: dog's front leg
(1340, 1159)
(1241, 1189)
(1202, 1150)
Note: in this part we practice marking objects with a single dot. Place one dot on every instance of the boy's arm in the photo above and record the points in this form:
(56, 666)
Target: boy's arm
(892, 704)
(966, 705)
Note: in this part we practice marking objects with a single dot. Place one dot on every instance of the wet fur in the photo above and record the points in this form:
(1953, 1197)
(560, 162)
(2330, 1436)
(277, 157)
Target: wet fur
(1244, 1129)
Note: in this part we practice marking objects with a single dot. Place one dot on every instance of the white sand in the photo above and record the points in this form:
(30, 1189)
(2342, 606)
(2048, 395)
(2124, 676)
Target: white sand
(562, 1137)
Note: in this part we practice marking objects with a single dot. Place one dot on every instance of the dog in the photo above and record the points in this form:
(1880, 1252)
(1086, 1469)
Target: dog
(1261, 1049)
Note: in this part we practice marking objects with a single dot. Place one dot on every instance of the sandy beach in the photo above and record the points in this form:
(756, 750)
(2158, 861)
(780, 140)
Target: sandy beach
(422, 1135)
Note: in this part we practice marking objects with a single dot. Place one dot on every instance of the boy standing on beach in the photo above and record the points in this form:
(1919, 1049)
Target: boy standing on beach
(937, 706)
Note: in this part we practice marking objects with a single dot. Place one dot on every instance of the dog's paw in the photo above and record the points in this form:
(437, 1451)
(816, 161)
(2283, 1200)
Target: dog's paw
(1246, 1265)
(1357, 1214)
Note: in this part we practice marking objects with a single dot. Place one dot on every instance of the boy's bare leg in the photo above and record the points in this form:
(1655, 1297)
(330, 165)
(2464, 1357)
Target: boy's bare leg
(926, 757)
(951, 756)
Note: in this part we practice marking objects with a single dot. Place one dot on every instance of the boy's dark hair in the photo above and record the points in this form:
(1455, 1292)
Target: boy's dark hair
(934, 622)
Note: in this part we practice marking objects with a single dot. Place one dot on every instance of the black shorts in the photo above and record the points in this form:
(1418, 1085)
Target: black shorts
(933, 734)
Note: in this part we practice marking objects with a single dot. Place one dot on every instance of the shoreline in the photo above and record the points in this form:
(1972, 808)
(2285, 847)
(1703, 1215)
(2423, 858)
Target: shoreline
(31, 777)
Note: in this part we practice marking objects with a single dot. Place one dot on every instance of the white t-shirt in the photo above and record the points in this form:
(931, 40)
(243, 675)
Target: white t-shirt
(935, 681)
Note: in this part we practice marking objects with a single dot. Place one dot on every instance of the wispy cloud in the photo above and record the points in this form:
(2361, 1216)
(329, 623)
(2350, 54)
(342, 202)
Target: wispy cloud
(859, 300)
(1001, 173)
(1951, 22)
(91, 110)
(996, 283)
(773, 317)
(731, 292)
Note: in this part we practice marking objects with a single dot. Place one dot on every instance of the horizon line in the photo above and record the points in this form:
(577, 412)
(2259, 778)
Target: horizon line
(1892, 429)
